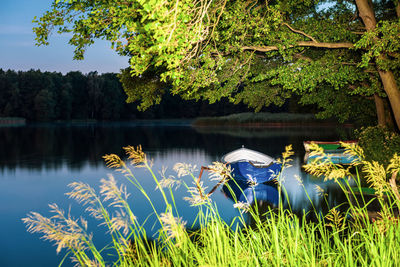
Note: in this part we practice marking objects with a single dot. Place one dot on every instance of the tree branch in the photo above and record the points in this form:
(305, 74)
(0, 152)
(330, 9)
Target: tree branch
(300, 32)
(300, 44)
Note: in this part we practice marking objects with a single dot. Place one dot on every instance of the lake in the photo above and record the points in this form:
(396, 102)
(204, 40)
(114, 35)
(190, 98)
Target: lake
(38, 161)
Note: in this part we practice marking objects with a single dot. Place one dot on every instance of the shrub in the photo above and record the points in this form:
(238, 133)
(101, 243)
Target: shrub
(379, 143)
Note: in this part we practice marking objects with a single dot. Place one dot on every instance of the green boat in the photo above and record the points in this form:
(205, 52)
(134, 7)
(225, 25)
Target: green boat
(334, 151)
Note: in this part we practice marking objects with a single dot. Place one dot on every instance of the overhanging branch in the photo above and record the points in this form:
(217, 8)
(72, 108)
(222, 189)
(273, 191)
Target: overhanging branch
(300, 44)
(300, 32)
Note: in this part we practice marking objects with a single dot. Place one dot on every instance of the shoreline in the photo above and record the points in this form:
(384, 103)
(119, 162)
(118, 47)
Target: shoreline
(275, 125)
(12, 121)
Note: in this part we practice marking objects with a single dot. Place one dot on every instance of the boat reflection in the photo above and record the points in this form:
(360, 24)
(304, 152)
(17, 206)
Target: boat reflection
(264, 194)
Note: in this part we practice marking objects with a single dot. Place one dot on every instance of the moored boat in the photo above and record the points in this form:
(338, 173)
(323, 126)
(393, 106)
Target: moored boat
(334, 152)
(252, 166)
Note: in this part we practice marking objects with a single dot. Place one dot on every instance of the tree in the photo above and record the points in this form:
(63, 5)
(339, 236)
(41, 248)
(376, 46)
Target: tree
(256, 52)
(44, 105)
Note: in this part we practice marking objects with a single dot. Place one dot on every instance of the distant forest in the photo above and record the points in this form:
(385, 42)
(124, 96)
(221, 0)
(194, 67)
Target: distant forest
(49, 96)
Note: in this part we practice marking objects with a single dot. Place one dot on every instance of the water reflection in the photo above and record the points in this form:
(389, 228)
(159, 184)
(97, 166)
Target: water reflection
(302, 193)
(37, 162)
(50, 146)
(261, 194)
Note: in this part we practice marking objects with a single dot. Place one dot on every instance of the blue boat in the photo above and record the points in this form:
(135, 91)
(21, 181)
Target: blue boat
(251, 166)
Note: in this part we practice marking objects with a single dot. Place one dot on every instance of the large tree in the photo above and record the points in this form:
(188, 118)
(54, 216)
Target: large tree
(256, 52)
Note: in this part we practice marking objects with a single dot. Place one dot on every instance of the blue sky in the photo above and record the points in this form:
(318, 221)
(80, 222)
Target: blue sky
(18, 50)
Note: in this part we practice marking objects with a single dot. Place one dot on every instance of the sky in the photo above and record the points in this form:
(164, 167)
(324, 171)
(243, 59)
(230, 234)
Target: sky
(19, 52)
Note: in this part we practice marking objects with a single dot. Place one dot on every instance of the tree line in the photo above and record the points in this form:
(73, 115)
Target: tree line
(49, 96)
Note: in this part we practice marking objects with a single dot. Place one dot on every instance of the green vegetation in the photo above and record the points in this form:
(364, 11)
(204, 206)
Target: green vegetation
(379, 143)
(340, 55)
(46, 96)
(51, 96)
(345, 236)
(252, 118)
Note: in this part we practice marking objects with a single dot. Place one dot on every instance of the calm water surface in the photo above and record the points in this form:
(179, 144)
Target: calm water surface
(38, 161)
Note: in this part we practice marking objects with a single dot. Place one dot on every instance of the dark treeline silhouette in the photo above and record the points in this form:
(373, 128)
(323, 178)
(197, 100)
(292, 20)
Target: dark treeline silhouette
(48, 96)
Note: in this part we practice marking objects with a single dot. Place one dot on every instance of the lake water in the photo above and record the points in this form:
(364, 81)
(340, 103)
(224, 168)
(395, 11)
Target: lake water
(38, 161)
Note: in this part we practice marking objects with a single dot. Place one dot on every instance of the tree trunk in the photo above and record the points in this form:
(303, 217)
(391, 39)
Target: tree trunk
(393, 93)
(367, 15)
(380, 110)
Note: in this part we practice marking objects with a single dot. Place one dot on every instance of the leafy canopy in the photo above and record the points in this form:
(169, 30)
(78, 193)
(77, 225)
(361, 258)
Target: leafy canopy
(256, 52)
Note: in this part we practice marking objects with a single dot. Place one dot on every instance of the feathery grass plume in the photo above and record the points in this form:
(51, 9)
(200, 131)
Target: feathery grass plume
(335, 218)
(318, 167)
(394, 165)
(337, 173)
(122, 220)
(184, 169)
(376, 176)
(86, 196)
(385, 220)
(168, 182)
(394, 169)
(286, 156)
(114, 161)
(220, 171)
(354, 151)
(172, 226)
(242, 206)
(251, 181)
(61, 229)
(197, 194)
(316, 150)
(324, 166)
(320, 190)
(89, 262)
(298, 179)
(285, 164)
(110, 191)
(118, 197)
(137, 156)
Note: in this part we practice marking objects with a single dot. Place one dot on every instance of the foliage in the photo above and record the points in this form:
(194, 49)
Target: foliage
(147, 88)
(255, 52)
(379, 144)
(46, 96)
(278, 237)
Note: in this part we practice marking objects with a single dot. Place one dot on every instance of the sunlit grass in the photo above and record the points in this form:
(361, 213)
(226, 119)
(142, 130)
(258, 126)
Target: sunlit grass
(345, 236)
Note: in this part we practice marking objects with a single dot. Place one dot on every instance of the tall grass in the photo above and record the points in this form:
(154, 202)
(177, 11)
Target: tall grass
(342, 237)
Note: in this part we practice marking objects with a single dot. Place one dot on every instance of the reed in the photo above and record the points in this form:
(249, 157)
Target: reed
(342, 237)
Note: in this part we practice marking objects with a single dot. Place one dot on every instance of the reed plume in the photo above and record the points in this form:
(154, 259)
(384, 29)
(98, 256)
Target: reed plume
(61, 229)
(173, 227)
(137, 156)
(184, 169)
(169, 181)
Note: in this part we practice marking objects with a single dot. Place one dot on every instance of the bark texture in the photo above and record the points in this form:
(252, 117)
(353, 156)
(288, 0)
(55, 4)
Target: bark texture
(366, 13)
(380, 110)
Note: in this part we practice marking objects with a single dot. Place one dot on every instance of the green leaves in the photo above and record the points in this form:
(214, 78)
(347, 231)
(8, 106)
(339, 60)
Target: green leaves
(255, 52)
(382, 45)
